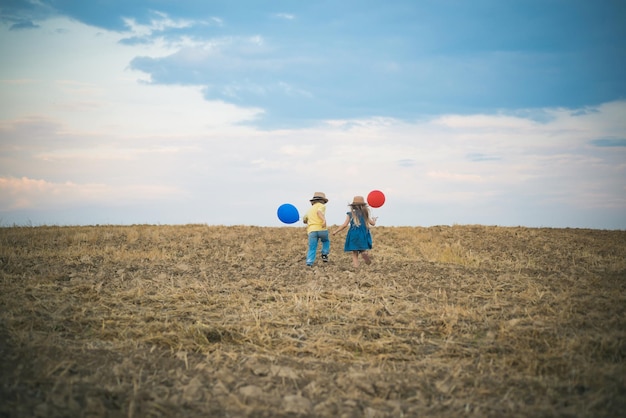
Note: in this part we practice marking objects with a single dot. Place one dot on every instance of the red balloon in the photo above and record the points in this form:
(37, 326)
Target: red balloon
(376, 198)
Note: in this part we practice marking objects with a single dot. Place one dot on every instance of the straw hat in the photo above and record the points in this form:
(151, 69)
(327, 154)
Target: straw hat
(319, 196)
(358, 201)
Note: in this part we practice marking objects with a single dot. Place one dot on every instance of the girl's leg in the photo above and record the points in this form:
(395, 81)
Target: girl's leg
(366, 257)
(355, 258)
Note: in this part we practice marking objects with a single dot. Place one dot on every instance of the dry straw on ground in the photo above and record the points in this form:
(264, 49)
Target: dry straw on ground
(196, 320)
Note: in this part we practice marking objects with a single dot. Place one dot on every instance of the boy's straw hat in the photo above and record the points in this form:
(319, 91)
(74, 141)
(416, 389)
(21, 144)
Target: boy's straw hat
(358, 201)
(319, 196)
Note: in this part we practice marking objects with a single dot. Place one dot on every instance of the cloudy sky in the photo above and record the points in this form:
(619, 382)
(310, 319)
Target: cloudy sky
(171, 112)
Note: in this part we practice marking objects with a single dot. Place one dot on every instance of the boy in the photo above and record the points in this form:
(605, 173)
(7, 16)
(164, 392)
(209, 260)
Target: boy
(315, 219)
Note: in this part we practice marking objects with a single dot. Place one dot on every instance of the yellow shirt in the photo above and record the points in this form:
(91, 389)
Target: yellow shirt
(312, 219)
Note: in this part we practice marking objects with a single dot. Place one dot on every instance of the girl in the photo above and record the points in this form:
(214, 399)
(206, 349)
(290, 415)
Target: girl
(359, 238)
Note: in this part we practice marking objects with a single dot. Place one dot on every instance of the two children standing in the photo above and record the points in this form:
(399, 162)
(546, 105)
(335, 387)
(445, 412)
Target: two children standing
(358, 240)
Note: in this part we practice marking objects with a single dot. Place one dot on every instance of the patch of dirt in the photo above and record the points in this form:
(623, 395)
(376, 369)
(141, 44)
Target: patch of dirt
(199, 321)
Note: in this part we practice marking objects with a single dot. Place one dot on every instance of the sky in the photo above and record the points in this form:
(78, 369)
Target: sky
(509, 113)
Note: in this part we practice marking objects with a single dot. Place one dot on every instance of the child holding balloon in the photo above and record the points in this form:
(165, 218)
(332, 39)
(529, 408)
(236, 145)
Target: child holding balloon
(359, 238)
(316, 229)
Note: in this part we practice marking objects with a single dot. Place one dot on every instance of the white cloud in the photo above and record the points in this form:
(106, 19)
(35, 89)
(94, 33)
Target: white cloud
(27, 193)
(297, 150)
(286, 16)
(446, 175)
(160, 22)
(96, 92)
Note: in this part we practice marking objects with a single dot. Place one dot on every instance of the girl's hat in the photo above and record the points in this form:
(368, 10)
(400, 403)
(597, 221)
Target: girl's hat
(319, 196)
(358, 201)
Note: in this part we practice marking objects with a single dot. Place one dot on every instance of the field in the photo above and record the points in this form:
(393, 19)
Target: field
(227, 321)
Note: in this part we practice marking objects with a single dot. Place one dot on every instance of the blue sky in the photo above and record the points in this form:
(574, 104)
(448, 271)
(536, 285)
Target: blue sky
(462, 112)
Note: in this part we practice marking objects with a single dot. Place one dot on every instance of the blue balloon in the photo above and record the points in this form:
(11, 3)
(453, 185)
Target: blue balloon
(288, 213)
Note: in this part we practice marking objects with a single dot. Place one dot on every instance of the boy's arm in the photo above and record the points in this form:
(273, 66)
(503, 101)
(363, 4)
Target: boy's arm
(322, 217)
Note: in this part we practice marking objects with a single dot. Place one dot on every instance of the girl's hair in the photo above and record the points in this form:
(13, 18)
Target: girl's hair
(358, 212)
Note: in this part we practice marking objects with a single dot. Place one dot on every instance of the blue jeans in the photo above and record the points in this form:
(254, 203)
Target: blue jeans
(314, 237)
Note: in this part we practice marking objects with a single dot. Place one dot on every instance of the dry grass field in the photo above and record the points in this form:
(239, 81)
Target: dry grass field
(217, 321)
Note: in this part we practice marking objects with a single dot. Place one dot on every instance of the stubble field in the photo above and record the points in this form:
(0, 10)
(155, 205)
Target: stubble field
(217, 321)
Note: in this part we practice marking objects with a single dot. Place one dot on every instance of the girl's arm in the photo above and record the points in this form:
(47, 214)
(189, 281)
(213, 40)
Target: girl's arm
(342, 227)
(373, 221)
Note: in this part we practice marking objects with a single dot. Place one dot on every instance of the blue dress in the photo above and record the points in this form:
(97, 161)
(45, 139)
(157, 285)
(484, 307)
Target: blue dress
(358, 237)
